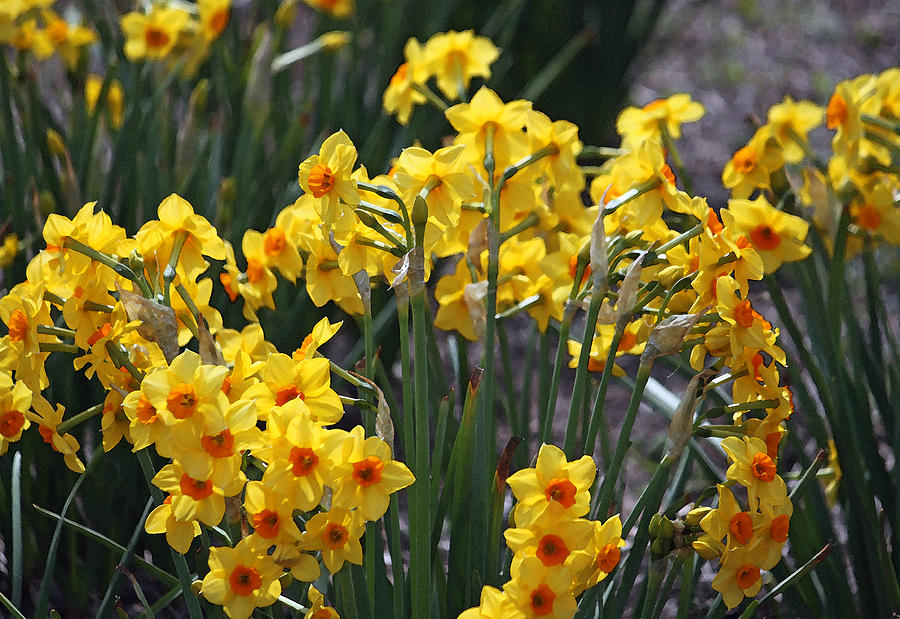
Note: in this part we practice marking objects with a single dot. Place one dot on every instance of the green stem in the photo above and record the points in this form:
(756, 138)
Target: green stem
(388, 193)
(432, 97)
(420, 496)
(581, 373)
(881, 123)
(600, 152)
(369, 420)
(169, 272)
(545, 423)
(58, 347)
(83, 416)
(526, 223)
(115, 265)
(612, 474)
(590, 436)
(396, 550)
(57, 331)
(809, 474)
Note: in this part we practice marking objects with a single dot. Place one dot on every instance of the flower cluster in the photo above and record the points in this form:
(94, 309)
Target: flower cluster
(557, 553)
(237, 419)
(451, 58)
(30, 25)
(864, 113)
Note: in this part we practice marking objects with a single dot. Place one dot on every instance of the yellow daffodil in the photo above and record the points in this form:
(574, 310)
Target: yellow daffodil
(153, 36)
(554, 485)
(336, 533)
(540, 591)
(638, 124)
(327, 177)
(368, 476)
(114, 102)
(401, 94)
(444, 172)
(775, 235)
(15, 401)
(494, 604)
(753, 468)
(600, 555)
(454, 58)
(179, 533)
(242, 578)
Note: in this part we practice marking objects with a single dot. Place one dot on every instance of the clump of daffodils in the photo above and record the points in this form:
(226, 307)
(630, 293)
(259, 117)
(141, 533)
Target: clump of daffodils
(238, 422)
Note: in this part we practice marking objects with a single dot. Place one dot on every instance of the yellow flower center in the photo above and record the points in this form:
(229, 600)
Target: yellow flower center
(743, 314)
(145, 411)
(868, 217)
(303, 461)
(286, 394)
(58, 30)
(219, 445)
(195, 488)
(273, 241)
(400, 76)
(255, 270)
(265, 523)
(218, 22)
(321, 180)
(562, 491)
(11, 423)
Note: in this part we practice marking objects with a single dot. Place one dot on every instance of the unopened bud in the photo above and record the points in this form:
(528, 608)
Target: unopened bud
(335, 40)
(708, 547)
(56, 144)
(46, 202)
(666, 528)
(419, 213)
(136, 261)
(654, 525)
(693, 517)
(286, 12)
(669, 275)
(199, 96)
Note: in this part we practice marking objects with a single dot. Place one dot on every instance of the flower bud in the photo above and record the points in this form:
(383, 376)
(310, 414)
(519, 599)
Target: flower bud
(708, 548)
(335, 40)
(56, 144)
(693, 517)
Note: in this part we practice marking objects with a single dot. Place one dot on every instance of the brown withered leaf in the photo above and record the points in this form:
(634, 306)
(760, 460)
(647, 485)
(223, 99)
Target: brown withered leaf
(209, 350)
(158, 323)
